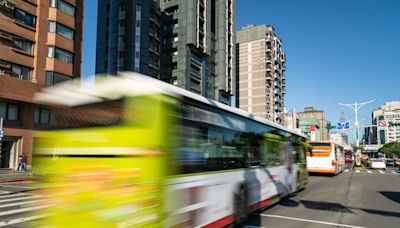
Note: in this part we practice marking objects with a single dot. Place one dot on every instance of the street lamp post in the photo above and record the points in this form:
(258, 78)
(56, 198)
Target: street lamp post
(356, 106)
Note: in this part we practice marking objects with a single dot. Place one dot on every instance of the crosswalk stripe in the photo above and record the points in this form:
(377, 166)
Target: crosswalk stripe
(381, 171)
(17, 194)
(346, 170)
(20, 198)
(22, 203)
(369, 171)
(394, 172)
(10, 212)
(20, 220)
(357, 171)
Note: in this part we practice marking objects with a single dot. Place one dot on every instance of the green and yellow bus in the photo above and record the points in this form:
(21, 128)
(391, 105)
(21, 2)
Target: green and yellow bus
(132, 151)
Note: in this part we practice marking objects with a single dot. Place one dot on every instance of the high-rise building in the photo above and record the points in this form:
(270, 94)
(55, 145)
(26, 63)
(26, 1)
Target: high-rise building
(310, 114)
(188, 43)
(198, 46)
(387, 121)
(128, 37)
(40, 45)
(260, 71)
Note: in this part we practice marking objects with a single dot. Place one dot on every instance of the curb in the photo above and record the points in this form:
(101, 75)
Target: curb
(16, 180)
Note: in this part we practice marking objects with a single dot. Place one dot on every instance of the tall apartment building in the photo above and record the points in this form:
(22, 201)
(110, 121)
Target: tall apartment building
(128, 37)
(198, 46)
(40, 45)
(188, 43)
(260, 81)
(387, 121)
(310, 114)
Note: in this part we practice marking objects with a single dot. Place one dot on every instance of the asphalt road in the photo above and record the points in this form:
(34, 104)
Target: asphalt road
(363, 198)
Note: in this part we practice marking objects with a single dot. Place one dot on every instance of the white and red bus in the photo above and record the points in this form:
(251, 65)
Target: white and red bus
(138, 151)
(325, 157)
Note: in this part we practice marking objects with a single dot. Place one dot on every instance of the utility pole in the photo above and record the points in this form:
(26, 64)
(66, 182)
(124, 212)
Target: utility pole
(356, 106)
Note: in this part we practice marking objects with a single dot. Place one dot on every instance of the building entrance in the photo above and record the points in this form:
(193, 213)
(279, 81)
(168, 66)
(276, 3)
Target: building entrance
(9, 153)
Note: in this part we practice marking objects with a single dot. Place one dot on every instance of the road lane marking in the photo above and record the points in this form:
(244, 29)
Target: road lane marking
(22, 203)
(346, 170)
(394, 172)
(20, 198)
(311, 221)
(10, 212)
(17, 194)
(15, 186)
(357, 171)
(4, 192)
(20, 220)
(369, 171)
(381, 171)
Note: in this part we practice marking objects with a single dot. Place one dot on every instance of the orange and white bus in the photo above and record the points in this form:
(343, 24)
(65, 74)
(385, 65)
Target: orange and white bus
(325, 157)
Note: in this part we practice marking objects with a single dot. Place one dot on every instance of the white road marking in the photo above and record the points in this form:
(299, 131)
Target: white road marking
(346, 170)
(381, 171)
(311, 221)
(10, 212)
(22, 203)
(20, 198)
(20, 220)
(394, 172)
(17, 194)
(250, 226)
(357, 171)
(15, 186)
(369, 171)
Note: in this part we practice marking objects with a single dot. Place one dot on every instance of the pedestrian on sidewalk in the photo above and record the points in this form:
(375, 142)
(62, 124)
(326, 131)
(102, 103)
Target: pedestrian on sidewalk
(20, 162)
(24, 162)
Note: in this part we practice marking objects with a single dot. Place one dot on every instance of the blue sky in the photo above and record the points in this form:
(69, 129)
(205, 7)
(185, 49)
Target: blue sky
(337, 50)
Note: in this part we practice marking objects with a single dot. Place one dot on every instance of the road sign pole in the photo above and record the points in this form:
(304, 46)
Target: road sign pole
(356, 106)
(1, 135)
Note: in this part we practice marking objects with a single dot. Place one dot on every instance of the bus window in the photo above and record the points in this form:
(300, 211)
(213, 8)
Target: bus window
(273, 153)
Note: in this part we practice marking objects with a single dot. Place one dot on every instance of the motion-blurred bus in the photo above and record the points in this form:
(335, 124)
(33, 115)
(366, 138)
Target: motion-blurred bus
(132, 151)
(348, 155)
(325, 157)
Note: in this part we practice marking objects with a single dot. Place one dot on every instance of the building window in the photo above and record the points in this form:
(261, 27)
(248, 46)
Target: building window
(54, 78)
(121, 23)
(121, 54)
(63, 6)
(108, 7)
(60, 54)
(23, 45)
(106, 64)
(107, 35)
(61, 30)
(21, 72)
(174, 65)
(24, 17)
(138, 18)
(9, 111)
(41, 116)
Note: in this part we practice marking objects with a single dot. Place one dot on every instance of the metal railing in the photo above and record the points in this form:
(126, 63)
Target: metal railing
(18, 76)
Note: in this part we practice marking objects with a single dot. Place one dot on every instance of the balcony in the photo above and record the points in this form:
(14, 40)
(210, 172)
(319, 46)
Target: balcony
(56, 65)
(9, 73)
(63, 18)
(17, 89)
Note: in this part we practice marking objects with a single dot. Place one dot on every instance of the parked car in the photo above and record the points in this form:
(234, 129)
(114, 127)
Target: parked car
(390, 162)
(397, 162)
(378, 164)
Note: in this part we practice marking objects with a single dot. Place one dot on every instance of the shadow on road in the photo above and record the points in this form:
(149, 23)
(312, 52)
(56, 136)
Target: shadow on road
(394, 196)
(337, 207)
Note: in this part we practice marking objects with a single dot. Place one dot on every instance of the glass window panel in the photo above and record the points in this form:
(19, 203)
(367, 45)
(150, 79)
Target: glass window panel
(12, 112)
(63, 55)
(3, 110)
(60, 78)
(65, 31)
(49, 78)
(50, 51)
(66, 8)
(16, 71)
(36, 115)
(52, 26)
(44, 116)
(24, 17)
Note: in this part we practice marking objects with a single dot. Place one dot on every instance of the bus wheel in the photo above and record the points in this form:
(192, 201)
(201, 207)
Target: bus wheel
(240, 205)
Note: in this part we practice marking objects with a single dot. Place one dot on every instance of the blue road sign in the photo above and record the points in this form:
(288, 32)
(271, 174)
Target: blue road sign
(343, 125)
(1, 133)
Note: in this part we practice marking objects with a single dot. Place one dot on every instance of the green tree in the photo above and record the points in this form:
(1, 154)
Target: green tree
(391, 149)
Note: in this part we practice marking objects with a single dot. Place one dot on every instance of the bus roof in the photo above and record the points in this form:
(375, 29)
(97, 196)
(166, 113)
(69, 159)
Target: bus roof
(74, 93)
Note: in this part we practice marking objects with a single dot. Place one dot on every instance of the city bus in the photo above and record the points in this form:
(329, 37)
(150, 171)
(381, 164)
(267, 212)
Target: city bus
(130, 151)
(325, 157)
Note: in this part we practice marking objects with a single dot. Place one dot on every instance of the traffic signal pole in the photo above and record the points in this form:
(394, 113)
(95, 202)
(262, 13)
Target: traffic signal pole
(356, 106)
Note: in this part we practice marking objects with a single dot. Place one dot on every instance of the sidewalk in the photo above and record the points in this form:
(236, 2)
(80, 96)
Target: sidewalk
(7, 175)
